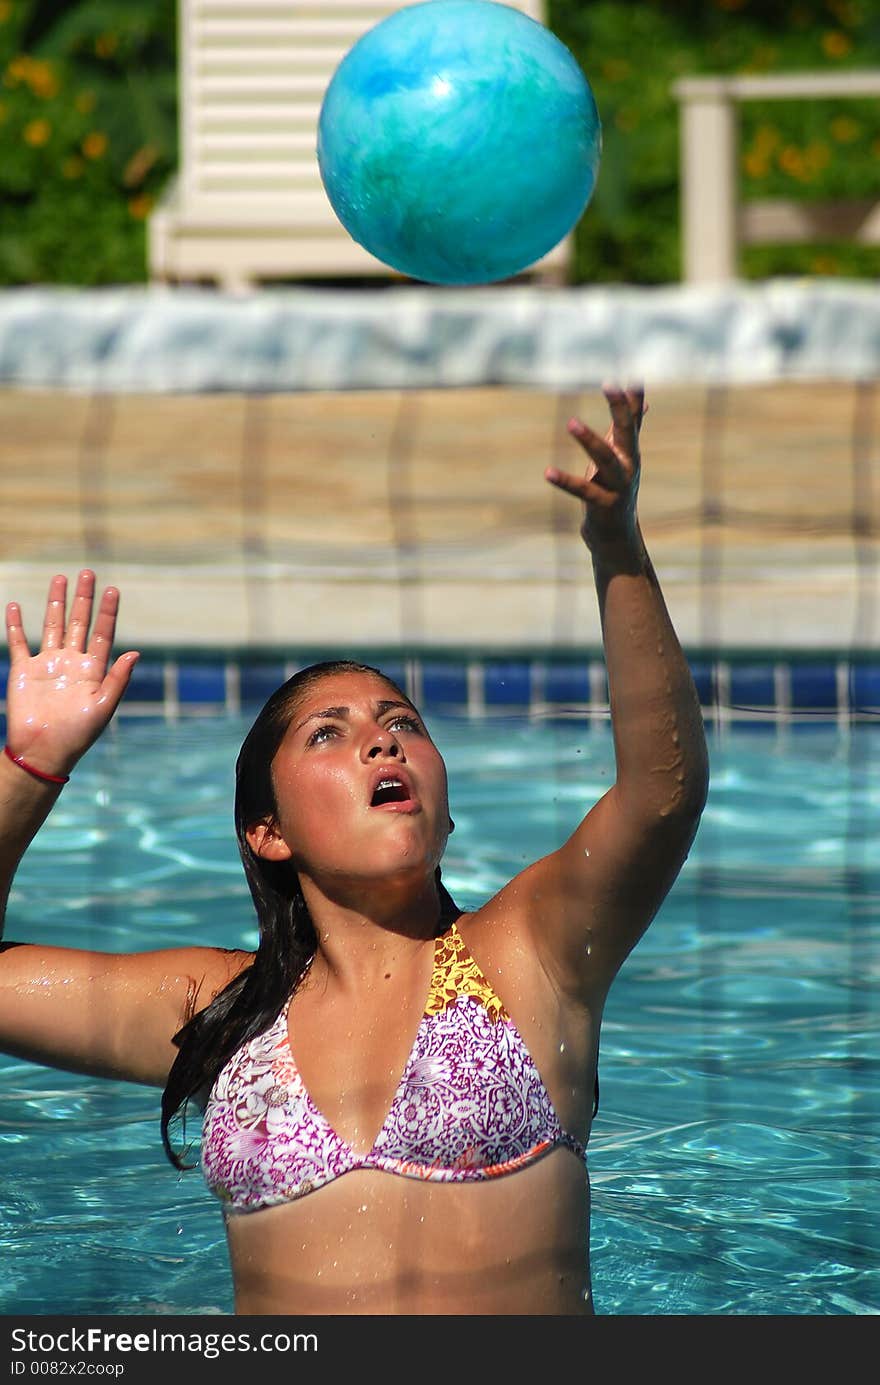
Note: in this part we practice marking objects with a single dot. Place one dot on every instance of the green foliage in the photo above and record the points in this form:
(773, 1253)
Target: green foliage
(88, 125)
(633, 53)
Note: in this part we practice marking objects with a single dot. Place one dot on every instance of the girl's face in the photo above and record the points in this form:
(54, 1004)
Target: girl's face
(360, 786)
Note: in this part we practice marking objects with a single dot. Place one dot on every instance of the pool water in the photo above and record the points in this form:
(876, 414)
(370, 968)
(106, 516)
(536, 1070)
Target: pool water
(735, 1156)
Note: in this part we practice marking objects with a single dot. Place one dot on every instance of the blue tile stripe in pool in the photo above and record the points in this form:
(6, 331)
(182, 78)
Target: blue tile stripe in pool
(750, 687)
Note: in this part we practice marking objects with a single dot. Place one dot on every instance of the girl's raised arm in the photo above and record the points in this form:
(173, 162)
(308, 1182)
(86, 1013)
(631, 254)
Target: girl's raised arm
(589, 902)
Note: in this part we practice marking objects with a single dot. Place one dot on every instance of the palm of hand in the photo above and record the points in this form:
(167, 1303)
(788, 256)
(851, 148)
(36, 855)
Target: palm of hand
(60, 699)
(57, 698)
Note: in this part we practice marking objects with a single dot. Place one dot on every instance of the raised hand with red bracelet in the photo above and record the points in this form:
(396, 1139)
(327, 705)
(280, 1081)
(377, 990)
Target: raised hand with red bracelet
(60, 699)
(58, 702)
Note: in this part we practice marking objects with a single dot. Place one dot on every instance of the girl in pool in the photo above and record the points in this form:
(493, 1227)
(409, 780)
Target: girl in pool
(375, 1152)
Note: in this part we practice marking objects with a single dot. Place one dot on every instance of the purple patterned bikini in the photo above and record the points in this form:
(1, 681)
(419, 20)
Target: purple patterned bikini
(470, 1105)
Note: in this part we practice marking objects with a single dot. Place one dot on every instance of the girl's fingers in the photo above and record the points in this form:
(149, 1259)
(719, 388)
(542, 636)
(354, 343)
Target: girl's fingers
(585, 489)
(633, 397)
(72, 633)
(118, 677)
(77, 632)
(626, 408)
(15, 636)
(53, 621)
(609, 467)
(105, 625)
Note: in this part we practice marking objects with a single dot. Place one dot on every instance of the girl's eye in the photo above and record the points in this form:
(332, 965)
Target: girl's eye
(322, 734)
(404, 722)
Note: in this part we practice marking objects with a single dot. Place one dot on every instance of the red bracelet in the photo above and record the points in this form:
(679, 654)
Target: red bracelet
(31, 769)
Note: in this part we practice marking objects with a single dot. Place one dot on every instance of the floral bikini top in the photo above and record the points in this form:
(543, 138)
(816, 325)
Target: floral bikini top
(470, 1105)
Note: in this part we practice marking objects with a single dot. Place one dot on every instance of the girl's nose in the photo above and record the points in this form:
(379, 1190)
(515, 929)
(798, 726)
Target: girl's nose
(383, 743)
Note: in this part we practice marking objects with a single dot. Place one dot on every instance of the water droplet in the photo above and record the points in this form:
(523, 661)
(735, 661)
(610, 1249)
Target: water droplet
(562, 1048)
(586, 851)
(180, 1231)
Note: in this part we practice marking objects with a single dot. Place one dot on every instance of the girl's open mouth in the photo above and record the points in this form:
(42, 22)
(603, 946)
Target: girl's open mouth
(392, 790)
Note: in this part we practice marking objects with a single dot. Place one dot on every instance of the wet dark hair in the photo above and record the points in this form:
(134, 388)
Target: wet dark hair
(287, 936)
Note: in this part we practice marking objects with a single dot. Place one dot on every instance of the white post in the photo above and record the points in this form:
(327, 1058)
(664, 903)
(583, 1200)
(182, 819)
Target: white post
(708, 131)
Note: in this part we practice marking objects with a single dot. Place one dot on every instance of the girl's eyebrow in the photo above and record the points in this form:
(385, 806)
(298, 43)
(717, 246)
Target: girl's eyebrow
(328, 712)
(383, 707)
(341, 713)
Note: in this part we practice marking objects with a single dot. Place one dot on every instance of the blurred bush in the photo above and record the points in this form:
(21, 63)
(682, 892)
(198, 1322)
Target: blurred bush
(88, 128)
(88, 133)
(822, 150)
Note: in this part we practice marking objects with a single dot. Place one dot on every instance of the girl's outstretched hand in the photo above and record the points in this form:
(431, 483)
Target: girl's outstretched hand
(60, 700)
(609, 488)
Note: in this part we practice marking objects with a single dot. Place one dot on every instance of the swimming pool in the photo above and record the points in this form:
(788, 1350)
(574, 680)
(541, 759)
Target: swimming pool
(735, 1156)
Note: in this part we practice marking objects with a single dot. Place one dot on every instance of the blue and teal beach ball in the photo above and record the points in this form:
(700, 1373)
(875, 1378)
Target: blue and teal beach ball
(459, 141)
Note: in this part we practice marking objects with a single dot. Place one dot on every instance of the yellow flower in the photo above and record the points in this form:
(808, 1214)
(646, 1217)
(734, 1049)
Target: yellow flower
(72, 167)
(5, 10)
(39, 76)
(844, 129)
(766, 139)
(41, 79)
(37, 132)
(818, 155)
(755, 163)
(140, 207)
(106, 45)
(17, 70)
(835, 44)
(94, 146)
(85, 102)
(823, 264)
(791, 161)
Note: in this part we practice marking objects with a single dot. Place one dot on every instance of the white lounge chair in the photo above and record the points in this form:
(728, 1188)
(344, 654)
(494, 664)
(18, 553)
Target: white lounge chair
(248, 205)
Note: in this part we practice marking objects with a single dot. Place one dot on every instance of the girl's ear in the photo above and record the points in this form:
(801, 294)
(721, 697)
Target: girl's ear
(266, 841)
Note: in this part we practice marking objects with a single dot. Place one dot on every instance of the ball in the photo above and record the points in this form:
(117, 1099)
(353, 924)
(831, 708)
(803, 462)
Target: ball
(458, 141)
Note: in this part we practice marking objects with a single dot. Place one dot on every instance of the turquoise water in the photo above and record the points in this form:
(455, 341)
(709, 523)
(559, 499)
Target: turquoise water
(735, 1156)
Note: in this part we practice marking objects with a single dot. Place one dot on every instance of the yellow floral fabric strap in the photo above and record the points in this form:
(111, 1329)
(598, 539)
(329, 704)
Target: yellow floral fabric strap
(457, 974)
